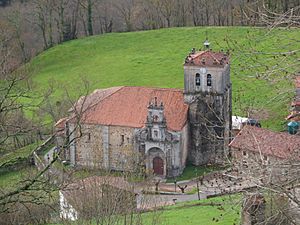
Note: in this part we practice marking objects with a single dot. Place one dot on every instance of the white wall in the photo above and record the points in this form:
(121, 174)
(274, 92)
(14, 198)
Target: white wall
(67, 211)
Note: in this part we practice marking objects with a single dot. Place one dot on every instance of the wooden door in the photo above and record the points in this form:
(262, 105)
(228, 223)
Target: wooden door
(158, 166)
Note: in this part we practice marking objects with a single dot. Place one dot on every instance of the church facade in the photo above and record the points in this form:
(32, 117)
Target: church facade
(156, 129)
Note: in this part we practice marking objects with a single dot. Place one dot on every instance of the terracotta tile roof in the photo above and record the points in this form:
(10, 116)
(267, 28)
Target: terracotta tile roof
(60, 124)
(295, 116)
(127, 106)
(295, 103)
(297, 81)
(85, 102)
(278, 144)
(207, 58)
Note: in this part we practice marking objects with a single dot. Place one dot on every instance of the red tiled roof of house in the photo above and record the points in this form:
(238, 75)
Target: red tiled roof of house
(207, 58)
(127, 106)
(295, 103)
(60, 124)
(266, 142)
(297, 81)
(295, 116)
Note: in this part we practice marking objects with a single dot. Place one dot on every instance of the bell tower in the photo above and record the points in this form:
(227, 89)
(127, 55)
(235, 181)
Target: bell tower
(207, 90)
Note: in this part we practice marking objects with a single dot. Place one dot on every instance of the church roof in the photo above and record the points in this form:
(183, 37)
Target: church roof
(207, 58)
(128, 106)
(85, 102)
(266, 142)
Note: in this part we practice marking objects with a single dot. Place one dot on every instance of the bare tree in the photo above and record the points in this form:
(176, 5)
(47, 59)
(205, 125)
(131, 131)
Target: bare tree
(126, 9)
(87, 7)
(196, 12)
(15, 18)
(276, 198)
(43, 11)
(105, 15)
(166, 8)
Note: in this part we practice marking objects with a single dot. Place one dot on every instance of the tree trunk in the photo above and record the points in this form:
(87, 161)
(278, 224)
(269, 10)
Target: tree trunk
(89, 18)
(50, 29)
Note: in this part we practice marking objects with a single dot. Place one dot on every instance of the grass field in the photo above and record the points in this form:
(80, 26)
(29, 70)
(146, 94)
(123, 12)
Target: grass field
(220, 210)
(13, 178)
(19, 155)
(15, 166)
(191, 172)
(191, 213)
(155, 58)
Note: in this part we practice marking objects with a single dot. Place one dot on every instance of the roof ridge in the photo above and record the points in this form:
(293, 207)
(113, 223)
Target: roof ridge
(197, 54)
(118, 89)
(157, 88)
(213, 56)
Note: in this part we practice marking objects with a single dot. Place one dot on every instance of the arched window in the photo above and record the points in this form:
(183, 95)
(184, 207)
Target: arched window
(155, 118)
(209, 80)
(197, 79)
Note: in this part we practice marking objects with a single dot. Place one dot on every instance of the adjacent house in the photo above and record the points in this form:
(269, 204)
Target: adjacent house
(271, 160)
(263, 152)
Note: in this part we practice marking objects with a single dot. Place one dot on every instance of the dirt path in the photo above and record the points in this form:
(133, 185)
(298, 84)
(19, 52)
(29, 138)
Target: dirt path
(168, 196)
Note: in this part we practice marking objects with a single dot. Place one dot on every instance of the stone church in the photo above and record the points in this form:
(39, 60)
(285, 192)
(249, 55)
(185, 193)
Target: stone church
(157, 129)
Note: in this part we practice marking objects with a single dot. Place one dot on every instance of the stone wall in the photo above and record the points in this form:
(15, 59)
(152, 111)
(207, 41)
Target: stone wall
(124, 149)
(184, 144)
(210, 124)
(219, 79)
(268, 168)
(89, 148)
(209, 113)
(105, 147)
(121, 154)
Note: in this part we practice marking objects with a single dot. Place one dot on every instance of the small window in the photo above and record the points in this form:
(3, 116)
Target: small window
(209, 80)
(122, 139)
(285, 172)
(198, 81)
(155, 133)
(245, 153)
(88, 137)
(245, 163)
(265, 157)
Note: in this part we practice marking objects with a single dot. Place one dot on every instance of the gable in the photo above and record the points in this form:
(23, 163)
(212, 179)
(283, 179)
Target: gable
(207, 58)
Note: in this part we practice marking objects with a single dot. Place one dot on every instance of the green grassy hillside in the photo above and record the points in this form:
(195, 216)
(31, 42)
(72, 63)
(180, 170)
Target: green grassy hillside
(155, 58)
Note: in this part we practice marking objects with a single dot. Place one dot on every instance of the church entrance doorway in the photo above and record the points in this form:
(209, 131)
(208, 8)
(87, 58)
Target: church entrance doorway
(158, 166)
